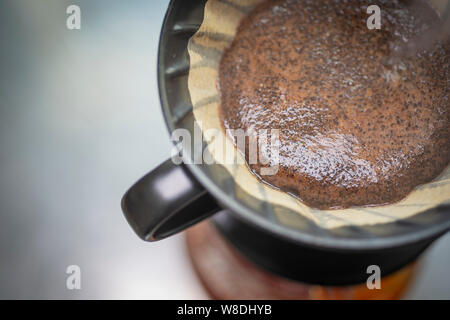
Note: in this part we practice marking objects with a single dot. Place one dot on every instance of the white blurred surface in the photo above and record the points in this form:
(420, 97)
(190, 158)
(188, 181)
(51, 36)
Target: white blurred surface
(80, 122)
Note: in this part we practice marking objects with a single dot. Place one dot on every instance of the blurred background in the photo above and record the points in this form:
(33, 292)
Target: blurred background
(80, 122)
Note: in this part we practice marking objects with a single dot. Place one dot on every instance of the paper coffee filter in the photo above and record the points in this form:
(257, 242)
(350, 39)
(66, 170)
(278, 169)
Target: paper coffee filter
(221, 19)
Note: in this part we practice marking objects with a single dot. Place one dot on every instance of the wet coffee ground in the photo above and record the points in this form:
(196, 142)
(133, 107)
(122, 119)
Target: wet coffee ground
(355, 130)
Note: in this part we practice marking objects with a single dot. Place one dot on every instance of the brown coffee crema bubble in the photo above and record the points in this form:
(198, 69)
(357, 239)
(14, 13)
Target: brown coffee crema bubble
(355, 130)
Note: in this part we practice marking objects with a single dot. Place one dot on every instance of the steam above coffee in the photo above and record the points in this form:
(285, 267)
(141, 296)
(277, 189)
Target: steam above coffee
(353, 130)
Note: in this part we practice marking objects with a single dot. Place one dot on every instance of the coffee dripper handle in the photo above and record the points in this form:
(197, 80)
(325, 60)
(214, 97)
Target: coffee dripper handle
(166, 201)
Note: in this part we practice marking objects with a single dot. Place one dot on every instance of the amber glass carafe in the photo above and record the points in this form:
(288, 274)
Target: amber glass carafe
(226, 274)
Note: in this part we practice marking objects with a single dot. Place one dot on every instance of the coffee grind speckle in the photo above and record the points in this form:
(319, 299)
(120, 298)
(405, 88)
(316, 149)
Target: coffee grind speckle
(355, 128)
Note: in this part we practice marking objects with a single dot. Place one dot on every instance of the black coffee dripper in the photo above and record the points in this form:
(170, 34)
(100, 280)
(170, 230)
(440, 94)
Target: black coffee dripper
(174, 197)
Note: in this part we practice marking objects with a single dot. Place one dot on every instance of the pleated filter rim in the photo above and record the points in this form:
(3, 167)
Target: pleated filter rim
(221, 19)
